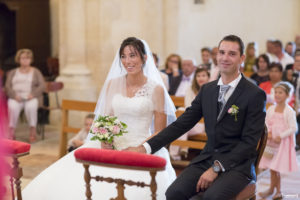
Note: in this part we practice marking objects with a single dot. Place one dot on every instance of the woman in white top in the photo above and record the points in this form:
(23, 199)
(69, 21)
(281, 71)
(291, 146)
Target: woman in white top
(24, 87)
(200, 78)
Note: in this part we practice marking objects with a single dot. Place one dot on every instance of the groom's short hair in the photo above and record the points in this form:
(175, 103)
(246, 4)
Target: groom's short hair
(234, 38)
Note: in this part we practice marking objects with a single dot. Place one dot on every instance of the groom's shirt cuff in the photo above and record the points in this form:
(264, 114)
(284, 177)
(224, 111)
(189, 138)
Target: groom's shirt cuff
(147, 147)
(220, 164)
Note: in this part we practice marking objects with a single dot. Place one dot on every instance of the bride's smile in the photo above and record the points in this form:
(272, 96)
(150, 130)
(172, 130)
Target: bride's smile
(132, 60)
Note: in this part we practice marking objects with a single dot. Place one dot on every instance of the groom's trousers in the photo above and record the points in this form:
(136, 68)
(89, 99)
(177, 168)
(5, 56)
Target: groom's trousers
(226, 186)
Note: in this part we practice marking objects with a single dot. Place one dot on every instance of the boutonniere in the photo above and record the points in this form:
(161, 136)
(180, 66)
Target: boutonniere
(233, 111)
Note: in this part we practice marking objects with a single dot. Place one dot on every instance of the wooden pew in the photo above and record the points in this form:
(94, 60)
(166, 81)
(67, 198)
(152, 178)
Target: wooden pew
(178, 101)
(195, 142)
(66, 106)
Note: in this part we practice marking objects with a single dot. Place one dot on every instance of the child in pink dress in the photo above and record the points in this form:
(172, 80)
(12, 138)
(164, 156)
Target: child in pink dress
(280, 154)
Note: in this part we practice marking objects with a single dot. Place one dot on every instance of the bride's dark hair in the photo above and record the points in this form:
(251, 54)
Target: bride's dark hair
(136, 44)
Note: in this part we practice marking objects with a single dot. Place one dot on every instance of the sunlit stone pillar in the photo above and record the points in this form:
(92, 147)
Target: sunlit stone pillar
(74, 73)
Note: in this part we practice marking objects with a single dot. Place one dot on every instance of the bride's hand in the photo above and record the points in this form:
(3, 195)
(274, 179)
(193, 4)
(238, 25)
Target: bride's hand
(139, 149)
(105, 145)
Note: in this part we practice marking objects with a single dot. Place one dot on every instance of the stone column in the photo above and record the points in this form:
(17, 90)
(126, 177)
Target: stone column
(74, 73)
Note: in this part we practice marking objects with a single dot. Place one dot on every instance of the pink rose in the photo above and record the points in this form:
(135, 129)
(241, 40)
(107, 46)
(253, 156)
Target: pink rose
(95, 130)
(102, 130)
(116, 129)
(230, 110)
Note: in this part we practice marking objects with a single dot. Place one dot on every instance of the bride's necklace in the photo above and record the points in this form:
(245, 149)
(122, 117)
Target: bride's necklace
(135, 88)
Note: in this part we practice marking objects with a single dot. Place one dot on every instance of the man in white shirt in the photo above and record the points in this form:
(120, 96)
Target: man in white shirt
(206, 58)
(281, 56)
(180, 84)
(214, 71)
(270, 50)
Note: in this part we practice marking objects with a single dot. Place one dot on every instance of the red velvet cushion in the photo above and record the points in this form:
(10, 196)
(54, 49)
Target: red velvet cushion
(15, 147)
(125, 158)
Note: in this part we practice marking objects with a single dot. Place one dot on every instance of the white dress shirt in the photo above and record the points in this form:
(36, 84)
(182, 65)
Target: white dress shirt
(285, 60)
(232, 84)
(185, 83)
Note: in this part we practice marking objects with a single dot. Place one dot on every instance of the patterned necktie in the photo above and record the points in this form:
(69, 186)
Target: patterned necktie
(221, 99)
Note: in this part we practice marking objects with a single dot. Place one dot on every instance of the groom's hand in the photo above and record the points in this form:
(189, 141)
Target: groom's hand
(206, 179)
(140, 149)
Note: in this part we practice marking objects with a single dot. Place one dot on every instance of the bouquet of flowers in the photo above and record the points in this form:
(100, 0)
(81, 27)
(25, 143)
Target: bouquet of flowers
(105, 128)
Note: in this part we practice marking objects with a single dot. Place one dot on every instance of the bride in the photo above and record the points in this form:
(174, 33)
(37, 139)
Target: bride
(135, 93)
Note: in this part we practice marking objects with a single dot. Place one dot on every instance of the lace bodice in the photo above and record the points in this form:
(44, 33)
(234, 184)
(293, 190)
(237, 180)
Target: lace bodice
(137, 113)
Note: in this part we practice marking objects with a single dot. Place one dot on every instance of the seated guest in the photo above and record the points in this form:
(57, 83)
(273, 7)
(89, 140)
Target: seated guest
(250, 57)
(164, 76)
(270, 50)
(24, 87)
(290, 48)
(214, 71)
(281, 55)
(179, 85)
(275, 75)
(296, 68)
(79, 139)
(172, 67)
(200, 78)
(206, 58)
(262, 64)
(289, 75)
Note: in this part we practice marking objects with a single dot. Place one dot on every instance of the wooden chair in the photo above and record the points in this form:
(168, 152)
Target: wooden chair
(66, 106)
(249, 192)
(119, 160)
(53, 68)
(51, 87)
(15, 149)
(196, 142)
(178, 101)
(248, 74)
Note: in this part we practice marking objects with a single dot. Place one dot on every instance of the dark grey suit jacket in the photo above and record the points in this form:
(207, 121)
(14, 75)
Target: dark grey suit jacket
(231, 142)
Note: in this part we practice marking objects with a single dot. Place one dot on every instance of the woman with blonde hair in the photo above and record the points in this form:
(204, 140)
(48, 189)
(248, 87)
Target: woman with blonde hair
(172, 67)
(24, 87)
(250, 57)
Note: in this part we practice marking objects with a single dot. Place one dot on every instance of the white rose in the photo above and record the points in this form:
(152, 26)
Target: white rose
(97, 124)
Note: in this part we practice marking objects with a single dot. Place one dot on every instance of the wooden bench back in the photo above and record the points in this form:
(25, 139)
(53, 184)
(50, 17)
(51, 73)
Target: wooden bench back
(196, 142)
(66, 106)
(178, 101)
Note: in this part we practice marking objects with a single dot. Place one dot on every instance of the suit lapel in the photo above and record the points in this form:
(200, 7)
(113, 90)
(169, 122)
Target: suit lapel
(236, 93)
(215, 103)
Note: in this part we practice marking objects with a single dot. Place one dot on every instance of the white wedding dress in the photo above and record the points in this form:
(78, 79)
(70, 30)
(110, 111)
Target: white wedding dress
(64, 179)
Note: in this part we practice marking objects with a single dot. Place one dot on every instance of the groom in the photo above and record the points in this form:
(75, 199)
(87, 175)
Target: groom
(233, 109)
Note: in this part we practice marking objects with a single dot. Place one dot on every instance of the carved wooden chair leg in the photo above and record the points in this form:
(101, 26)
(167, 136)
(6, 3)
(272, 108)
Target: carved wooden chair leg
(120, 189)
(87, 178)
(153, 185)
(16, 149)
(11, 179)
(18, 174)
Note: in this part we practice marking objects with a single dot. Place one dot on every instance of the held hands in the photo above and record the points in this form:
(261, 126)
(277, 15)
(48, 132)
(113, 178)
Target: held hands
(18, 98)
(277, 139)
(30, 97)
(175, 69)
(139, 149)
(206, 179)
